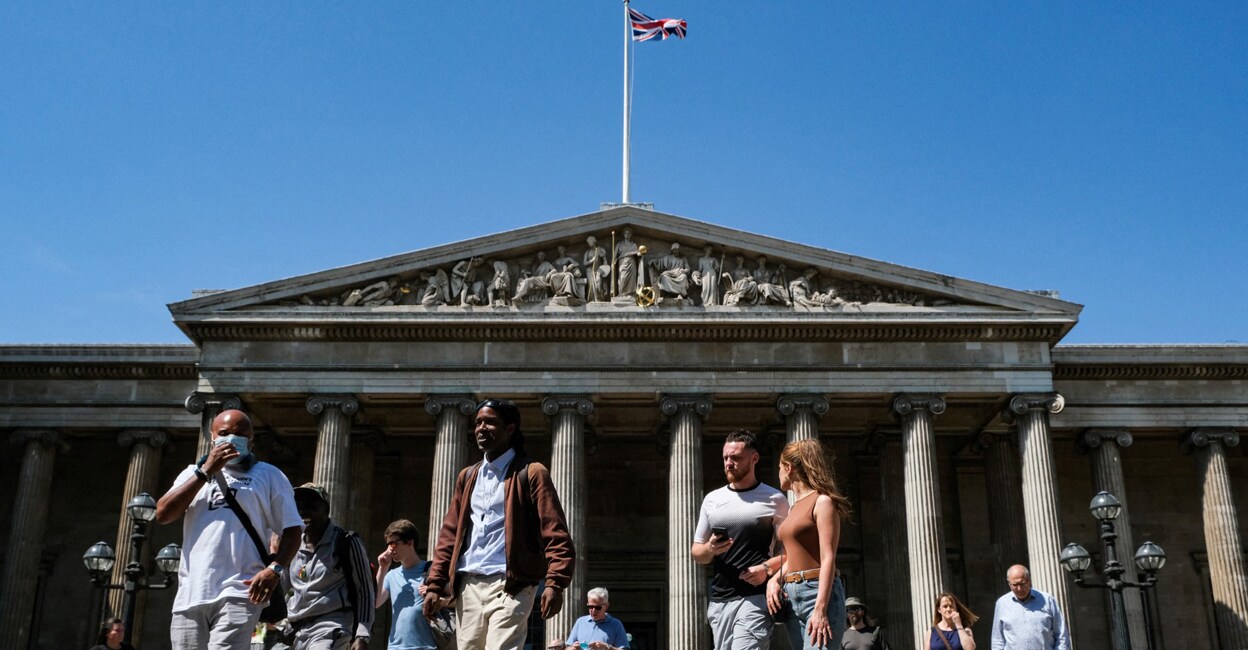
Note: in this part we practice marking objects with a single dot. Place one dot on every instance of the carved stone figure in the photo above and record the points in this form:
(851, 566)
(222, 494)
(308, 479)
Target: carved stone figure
(597, 270)
(563, 260)
(804, 296)
(771, 283)
(744, 289)
(707, 277)
(379, 293)
(499, 284)
(567, 284)
(466, 282)
(543, 267)
(627, 259)
(672, 273)
(437, 288)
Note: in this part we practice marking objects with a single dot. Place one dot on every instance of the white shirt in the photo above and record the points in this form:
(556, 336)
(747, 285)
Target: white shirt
(217, 553)
(486, 552)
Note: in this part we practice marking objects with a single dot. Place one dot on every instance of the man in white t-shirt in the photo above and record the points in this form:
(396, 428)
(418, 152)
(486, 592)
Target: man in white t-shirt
(224, 582)
(736, 535)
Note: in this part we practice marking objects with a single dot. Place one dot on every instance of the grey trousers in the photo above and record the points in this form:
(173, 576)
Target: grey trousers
(225, 624)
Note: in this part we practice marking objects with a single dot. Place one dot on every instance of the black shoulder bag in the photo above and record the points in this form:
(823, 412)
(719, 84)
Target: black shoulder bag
(276, 609)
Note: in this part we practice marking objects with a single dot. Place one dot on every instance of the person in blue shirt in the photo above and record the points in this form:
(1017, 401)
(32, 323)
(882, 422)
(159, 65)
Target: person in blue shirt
(598, 630)
(404, 587)
(1027, 618)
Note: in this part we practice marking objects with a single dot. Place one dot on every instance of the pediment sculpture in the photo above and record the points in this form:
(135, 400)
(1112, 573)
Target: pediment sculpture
(627, 273)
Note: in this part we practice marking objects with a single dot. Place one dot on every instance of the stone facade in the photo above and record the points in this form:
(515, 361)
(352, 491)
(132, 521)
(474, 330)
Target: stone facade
(959, 423)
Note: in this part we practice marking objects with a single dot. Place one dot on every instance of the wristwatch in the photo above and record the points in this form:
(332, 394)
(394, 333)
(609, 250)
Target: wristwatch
(277, 568)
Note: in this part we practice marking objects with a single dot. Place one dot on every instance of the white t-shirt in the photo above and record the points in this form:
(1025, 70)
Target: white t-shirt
(751, 518)
(217, 553)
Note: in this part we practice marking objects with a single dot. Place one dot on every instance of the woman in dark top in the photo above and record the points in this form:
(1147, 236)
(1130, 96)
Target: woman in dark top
(810, 534)
(951, 624)
(112, 631)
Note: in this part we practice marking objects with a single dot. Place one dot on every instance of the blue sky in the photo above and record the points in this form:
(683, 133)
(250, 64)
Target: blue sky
(148, 149)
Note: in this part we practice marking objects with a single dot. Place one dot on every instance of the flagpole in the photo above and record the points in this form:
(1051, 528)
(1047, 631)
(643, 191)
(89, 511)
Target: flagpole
(627, 97)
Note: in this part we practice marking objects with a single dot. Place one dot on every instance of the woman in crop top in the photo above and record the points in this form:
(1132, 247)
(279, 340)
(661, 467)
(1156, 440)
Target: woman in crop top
(810, 535)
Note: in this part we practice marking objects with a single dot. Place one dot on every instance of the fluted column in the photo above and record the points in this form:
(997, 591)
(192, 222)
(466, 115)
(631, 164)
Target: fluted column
(1039, 473)
(801, 415)
(450, 454)
(209, 406)
(1104, 449)
(1222, 537)
(359, 514)
(925, 533)
(567, 469)
(29, 523)
(686, 594)
(1006, 529)
(141, 476)
(332, 467)
(898, 631)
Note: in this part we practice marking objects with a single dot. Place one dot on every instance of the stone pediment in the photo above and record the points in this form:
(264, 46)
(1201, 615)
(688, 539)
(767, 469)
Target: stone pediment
(625, 260)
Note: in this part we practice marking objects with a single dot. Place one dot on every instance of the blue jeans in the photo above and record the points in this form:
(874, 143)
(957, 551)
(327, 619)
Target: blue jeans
(802, 595)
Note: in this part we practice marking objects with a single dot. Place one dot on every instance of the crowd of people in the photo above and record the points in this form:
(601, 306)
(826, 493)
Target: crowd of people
(503, 548)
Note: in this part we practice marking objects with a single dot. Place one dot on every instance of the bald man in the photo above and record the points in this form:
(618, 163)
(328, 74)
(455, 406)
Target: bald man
(224, 581)
(1027, 618)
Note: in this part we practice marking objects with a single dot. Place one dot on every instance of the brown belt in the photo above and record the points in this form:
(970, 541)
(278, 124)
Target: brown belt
(802, 576)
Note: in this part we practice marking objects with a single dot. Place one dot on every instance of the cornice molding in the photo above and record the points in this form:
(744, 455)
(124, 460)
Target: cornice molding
(1109, 371)
(96, 371)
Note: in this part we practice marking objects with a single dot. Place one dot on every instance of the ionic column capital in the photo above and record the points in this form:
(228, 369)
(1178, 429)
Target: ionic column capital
(197, 402)
(880, 438)
(150, 437)
(46, 437)
(1204, 437)
(348, 404)
(368, 437)
(905, 404)
(790, 404)
(552, 404)
(437, 403)
(698, 404)
(1094, 438)
(1021, 403)
(981, 441)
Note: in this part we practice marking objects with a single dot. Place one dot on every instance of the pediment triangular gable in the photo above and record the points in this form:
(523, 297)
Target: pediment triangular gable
(555, 264)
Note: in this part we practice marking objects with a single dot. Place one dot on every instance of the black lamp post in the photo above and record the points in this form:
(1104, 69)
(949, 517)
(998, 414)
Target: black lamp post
(99, 560)
(1149, 559)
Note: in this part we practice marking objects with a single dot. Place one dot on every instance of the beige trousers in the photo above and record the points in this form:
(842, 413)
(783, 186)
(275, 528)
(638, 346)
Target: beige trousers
(490, 618)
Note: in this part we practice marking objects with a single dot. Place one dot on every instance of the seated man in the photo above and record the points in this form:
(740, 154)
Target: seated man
(599, 630)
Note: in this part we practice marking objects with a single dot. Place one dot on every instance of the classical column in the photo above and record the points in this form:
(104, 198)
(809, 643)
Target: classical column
(899, 632)
(450, 454)
(567, 469)
(1222, 538)
(209, 406)
(359, 514)
(30, 521)
(686, 594)
(801, 415)
(332, 467)
(1006, 529)
(141, 476)
(925, 534)
(1103, 447)
(1039, 473)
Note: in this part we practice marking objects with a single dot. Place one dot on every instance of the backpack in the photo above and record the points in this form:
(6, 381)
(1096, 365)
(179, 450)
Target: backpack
(342, 559)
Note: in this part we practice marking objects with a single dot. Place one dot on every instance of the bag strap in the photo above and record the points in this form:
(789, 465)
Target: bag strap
(242, 516)
(342, 555)
(942, 638)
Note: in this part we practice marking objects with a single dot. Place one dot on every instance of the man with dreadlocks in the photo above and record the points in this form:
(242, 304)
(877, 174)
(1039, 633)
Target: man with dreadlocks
(503, 533)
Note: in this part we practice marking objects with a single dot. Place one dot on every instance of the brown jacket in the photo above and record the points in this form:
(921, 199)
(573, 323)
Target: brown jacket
(538, 545)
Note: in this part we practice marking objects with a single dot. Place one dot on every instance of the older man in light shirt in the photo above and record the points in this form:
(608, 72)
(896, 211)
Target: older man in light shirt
(1027, 618)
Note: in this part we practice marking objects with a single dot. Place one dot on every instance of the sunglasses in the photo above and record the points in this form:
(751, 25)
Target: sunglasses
(493, 403)
(594, 607)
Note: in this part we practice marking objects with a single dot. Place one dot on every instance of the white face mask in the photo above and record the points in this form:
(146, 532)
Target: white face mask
(239, 442)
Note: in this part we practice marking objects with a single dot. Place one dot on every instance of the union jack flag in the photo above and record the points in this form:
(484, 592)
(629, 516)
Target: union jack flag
(646, 28)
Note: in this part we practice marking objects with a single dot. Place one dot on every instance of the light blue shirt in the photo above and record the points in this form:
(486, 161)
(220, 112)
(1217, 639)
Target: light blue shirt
(610, 630)
(486, 552)
(409, 630)
(1032, 624)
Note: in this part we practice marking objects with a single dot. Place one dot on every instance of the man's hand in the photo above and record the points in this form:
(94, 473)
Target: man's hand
(552, 601)
(385, 560)
(719, 545)
(359, 643)
(260, 586)
(434, 602)
(755, 575)
(218, 457)
(775, 596)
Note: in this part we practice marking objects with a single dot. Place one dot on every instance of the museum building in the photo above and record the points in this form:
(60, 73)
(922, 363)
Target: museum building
(967, 438)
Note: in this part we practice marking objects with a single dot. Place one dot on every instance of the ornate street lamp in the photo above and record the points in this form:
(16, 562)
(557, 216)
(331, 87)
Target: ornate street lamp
(100, 559)
(1149, 559)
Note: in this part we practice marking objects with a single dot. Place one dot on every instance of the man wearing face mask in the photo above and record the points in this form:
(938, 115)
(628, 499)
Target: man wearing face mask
(223, 581)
